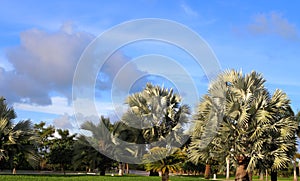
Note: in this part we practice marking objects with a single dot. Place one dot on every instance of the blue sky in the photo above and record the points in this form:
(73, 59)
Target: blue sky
(41, 43)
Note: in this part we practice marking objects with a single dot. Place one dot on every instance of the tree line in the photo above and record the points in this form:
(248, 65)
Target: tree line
(238, 126)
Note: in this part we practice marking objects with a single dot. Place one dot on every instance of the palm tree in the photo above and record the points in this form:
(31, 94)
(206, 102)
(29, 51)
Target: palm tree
(278, 139)
(297, 155)
(206, 143)
(86, 155)
(164, 160)
(107, 139)
(123, 132)
(21, 141)
(154, 118)
(254, 126)
(7, 114)
(16, 139)
(158, 112)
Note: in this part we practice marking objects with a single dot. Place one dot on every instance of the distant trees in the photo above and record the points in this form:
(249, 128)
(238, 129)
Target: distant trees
(45, 136)
(62, 149)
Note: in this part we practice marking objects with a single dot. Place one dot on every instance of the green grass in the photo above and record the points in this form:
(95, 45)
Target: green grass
(90, 178)
(102, 178)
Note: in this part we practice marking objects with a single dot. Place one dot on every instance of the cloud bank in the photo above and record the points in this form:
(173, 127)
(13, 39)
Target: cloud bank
(43, 64)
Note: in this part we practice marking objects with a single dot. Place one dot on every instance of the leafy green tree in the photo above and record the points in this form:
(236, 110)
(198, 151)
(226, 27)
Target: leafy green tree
(62, 149)
(45, 139)
(255, 127)
(164, 160)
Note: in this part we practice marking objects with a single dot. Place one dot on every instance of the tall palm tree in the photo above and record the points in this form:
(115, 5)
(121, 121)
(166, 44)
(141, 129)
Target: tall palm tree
(207, 144)
(154, 118)
(255, 127)
(297, 155)
(123, 132)
(107, 139)
(86, 155)
(7, 114)
(158, 112)
(16, 138)
(22, 139)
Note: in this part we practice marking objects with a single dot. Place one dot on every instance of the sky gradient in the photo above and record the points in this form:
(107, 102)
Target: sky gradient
(42, 41)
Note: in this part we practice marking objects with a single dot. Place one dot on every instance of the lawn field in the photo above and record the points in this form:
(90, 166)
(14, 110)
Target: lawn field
(90, 178)
(102, 178)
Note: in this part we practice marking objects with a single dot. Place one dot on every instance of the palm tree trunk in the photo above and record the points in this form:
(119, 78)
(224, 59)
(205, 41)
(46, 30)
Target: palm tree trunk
(207, 171)
(153, 173)
(227, 168)
(261, 175)
(241, 173)
(273, 175)
(121, 171)
(102, 172)
(63, 168)
(14, 171)
(250, 173)
(299, 167)
(127, 168)
(295, 170)
(165, 176)
(266, 175)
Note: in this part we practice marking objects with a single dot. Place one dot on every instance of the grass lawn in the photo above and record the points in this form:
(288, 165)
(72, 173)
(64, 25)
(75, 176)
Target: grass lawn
(101, 178)
(89, 178)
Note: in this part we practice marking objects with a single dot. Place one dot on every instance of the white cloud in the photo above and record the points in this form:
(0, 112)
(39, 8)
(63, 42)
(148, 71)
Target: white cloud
(43, 63)
(63, 122)
(188, 10)
(59, 105)
(273, 23)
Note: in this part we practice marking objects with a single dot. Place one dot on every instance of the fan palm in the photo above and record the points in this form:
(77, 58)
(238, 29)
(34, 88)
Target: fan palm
(254, 126)
(207, 143)
(103, 140)
(87, 155)
(164, 160)
(123, 132)
(154, 118)
(158, 112)
(15, 139)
